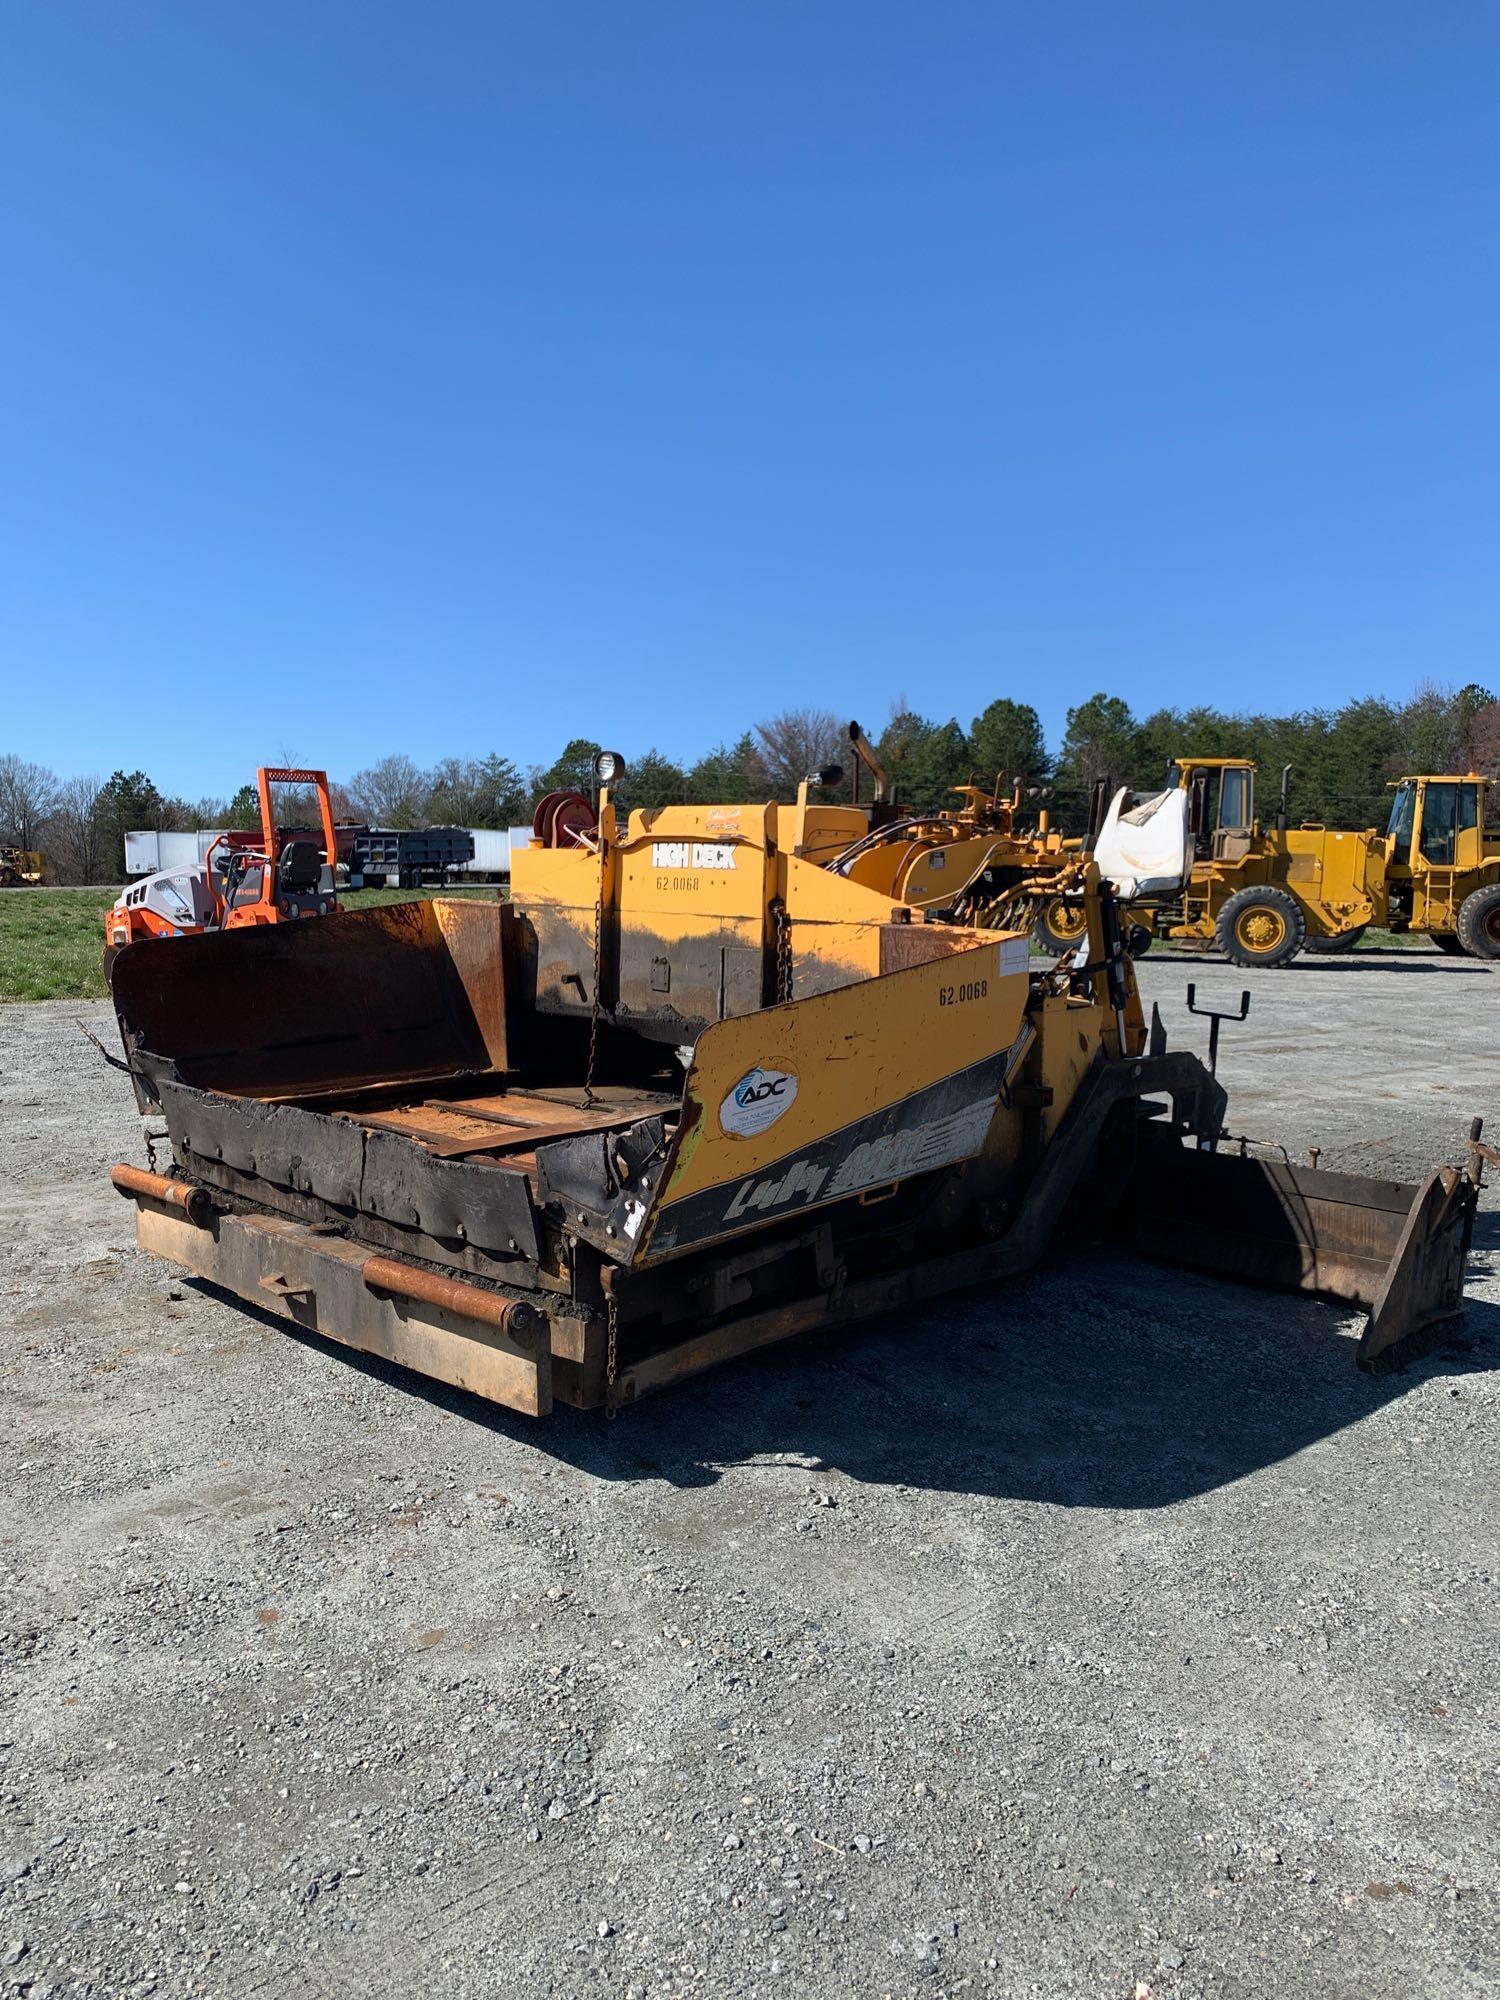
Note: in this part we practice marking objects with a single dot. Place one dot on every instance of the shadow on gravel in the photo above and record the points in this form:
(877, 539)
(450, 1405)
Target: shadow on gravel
(1394, 961)
(1097, 1381)
(1122, 1401)
(1361, 961)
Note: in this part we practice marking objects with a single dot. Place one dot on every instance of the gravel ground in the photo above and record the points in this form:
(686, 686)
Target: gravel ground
(1110, 1635)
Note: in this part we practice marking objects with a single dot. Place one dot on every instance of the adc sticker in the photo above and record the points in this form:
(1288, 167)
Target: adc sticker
(757, 1101)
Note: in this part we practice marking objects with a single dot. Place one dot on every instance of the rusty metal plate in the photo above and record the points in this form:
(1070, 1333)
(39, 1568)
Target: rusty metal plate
(472, 1201)
(342, 1164)
(303, 1150)
(286, 1007)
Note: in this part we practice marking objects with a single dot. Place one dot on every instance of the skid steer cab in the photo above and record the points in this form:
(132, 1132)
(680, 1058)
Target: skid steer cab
(273, 877)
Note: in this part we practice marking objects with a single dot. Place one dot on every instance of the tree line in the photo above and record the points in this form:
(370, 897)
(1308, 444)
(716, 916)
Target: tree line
(1342, 762)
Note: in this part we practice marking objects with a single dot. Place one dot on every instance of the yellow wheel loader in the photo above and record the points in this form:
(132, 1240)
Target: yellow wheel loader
(1263, 894)
(1259, 893)
(687, 1094)
(1442, 870)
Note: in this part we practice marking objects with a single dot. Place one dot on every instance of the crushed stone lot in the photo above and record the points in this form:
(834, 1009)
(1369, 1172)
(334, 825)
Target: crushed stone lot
(1108, 1634)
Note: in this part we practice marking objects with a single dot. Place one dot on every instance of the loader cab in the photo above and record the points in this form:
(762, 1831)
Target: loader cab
(1437, 823)
(1221, 805)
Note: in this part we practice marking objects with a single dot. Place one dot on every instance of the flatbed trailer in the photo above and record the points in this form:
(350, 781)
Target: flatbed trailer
(411, 855)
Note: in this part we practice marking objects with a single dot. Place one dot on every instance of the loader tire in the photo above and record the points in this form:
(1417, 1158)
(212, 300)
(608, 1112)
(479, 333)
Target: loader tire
(1479, 922)
(1261, 927)
(1060, 925)
(1447, 942)
(1345, 941)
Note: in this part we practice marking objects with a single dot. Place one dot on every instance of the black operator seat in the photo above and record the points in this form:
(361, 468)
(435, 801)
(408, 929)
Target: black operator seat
(300, 869)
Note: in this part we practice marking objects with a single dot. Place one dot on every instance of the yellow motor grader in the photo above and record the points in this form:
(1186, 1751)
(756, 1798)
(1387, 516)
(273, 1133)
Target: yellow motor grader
(689, 1093)
(964, 865)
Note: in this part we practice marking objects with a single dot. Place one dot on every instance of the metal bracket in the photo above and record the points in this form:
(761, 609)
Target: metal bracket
(1215, 1016)
(281, 1287)
(1480, 1155)
(113, 1061)
(1156, 1040)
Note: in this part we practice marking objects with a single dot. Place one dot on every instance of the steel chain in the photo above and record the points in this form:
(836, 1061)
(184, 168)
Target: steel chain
(611, 1357)
(783, 928)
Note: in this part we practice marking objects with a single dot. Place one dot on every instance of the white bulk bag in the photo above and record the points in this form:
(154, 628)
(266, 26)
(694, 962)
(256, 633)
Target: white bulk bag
(1145, 848)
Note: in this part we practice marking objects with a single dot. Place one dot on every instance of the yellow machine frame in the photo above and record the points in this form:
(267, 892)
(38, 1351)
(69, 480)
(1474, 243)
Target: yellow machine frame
(688, 1093)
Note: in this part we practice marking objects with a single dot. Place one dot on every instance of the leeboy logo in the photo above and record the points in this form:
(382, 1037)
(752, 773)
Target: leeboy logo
(757, 1101)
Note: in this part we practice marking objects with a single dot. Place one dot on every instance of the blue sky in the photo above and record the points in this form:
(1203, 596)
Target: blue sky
(446, 377)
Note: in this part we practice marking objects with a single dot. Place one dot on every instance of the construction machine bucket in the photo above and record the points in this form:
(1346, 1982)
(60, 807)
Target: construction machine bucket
(1396, 1249)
